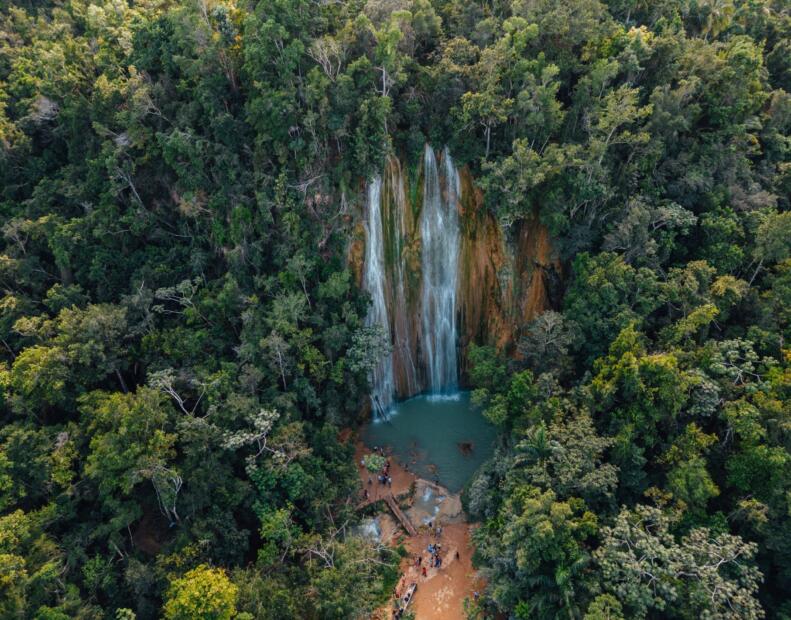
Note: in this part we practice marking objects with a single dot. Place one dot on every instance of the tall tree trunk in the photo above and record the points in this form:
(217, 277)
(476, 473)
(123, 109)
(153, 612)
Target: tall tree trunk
(121, 381)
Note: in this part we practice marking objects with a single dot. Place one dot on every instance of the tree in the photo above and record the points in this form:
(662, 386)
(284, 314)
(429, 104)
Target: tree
(514, 184)
(267, 595)
(605, 295)
(604, 607)
(688, 479)
(772, 240)
(714, 16)
(39, 375)
(348, 579)
(131, 442)
(610, 124)
(645, 567)
(534, 552)
(370, 345)
(279, 354)
(646, 234)
(31, 563)
(486, 109)
(374, 463)
(641, 392)
(567, 457)
(387, 54)
(204, 593)
(79, 346)
(547, 343)
(492, 102)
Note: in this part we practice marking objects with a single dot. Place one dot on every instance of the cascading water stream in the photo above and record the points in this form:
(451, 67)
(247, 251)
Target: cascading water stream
(440, 238)
(390, 241)
(374, 278)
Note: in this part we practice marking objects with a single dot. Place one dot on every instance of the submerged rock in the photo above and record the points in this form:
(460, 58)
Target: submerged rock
(465, 447)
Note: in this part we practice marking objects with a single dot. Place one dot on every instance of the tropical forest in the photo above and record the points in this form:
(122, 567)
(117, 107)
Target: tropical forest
(395, 309)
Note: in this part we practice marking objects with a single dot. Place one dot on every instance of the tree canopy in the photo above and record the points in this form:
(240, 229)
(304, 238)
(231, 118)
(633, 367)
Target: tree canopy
(183, 336)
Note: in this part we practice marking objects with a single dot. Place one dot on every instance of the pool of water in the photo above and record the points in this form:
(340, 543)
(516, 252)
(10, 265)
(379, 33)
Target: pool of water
(441, 438)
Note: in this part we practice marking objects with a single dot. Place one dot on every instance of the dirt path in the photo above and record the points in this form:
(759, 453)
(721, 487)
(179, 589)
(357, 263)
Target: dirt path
(441, 593)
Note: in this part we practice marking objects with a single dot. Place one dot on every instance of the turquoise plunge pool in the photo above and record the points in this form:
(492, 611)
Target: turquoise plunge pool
(444, 438)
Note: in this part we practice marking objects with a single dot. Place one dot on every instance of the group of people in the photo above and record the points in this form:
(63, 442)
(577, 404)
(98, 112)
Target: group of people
(434, 552)
(434, 560)
(383, 476)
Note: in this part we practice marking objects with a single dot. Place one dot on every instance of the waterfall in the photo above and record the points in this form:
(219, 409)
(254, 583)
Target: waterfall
(440, 237)
(435, 272)
(374, 278)
(411, 272)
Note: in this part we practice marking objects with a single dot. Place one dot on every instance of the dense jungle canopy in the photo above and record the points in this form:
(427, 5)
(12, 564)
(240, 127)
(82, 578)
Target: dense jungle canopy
(182, 337)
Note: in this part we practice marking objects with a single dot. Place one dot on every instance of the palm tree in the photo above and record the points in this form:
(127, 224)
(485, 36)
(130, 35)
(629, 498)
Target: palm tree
(537, 447)
(717, 16)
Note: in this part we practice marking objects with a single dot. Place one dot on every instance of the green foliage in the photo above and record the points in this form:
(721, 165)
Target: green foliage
(535, 550)
(347, 580)
(647, 568)
(604, 607)
(605, 296)
(183, 335)
(374, 462)
(204, 593)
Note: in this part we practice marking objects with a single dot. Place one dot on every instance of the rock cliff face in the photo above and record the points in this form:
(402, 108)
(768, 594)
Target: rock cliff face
(501, 281)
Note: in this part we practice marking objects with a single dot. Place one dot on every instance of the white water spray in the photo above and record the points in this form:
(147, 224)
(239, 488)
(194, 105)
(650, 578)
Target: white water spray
(374, 279)
(440, 238)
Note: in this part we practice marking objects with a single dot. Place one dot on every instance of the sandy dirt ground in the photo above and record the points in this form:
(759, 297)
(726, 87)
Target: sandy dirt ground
(441, 593)
(402, 479)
